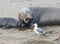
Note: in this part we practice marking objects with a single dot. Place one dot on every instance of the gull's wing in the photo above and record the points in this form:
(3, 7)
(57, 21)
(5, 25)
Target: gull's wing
(40, 30)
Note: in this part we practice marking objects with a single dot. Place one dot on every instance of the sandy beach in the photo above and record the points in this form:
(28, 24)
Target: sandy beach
(11, 8)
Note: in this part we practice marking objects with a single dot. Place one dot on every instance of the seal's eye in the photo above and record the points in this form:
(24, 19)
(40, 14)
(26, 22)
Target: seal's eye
(26, 12)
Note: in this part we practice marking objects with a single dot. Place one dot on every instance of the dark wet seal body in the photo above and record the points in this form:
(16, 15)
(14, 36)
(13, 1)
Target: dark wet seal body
(9, 22)
(43, 16)
(46, 15)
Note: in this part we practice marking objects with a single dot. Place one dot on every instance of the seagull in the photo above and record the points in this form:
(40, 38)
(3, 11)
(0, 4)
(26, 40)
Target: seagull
(38, 30)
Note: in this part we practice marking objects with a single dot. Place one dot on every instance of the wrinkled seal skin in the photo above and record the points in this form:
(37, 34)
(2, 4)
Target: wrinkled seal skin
(44, 16)
(9, 22)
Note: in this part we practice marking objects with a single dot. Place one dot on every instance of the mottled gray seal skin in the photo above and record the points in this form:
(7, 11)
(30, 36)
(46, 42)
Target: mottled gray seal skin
(45, 15)
(6, 23)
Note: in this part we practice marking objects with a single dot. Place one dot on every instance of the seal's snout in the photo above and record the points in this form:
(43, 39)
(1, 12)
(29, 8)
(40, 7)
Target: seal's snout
(25, 15)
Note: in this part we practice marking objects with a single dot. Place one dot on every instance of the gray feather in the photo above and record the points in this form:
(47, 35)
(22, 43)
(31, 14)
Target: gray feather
(40, 30)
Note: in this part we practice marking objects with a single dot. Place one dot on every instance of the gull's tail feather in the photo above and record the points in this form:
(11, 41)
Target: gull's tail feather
(50, 32)
(44, 33)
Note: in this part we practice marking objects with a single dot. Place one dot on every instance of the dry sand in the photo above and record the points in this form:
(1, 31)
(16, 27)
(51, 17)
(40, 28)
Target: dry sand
(11, 8)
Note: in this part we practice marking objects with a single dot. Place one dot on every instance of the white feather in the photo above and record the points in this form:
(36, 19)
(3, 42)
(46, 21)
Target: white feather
(38, 30)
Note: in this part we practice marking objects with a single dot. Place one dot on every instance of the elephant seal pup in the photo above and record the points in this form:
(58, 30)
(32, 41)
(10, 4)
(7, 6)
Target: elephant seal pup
(6, 23)
(43, 16)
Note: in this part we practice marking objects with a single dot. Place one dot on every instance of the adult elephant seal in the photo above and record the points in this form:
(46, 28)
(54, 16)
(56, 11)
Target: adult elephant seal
(42, 15)
(6, 23)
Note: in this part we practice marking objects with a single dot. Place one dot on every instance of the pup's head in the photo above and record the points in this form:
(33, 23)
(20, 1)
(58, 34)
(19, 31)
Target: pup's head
(20, 24)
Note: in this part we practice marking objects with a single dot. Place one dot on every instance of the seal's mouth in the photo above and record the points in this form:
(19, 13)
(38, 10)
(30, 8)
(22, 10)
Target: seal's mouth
(27, 20)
